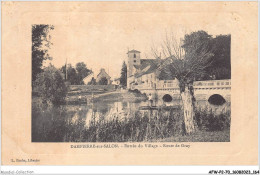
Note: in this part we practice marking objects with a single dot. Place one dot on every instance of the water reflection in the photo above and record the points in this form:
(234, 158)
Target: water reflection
(121, 110)
(103, 111)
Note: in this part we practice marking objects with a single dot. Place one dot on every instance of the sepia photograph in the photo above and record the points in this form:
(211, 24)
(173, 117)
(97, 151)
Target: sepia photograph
(129, 83)
(178, 90)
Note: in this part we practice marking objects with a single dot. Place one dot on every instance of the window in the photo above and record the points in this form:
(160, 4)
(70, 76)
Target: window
(134, 61)
(134, 55)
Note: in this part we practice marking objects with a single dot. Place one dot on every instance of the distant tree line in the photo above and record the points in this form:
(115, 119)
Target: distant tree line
(102, 81)
(75, 75)
(93, 81)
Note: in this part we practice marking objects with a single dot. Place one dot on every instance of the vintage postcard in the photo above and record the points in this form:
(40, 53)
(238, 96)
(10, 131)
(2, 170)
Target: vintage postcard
(129, 83)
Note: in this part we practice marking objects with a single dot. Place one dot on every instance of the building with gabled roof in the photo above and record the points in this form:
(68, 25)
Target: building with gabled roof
(98, 77)
(103, 74)
(144, 72)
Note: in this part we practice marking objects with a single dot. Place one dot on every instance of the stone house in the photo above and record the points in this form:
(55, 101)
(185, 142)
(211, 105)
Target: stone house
(103, 74)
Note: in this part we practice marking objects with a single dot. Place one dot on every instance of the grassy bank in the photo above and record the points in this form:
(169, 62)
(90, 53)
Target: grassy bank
(104, 96)
(201, 136)
(120, 96)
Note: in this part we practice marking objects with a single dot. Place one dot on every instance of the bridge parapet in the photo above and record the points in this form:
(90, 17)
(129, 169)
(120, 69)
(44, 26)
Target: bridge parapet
(174, 84)
(142, 87)
(167, 84)
(202, 89)
(212, 84)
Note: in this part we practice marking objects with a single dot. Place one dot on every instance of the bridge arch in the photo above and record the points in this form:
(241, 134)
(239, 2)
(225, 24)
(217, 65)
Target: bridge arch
(216, 99)
(167, 98)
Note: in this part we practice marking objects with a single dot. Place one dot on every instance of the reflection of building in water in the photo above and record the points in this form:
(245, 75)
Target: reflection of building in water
(75, 118)
(124, 110)
(108, 112)
(88, 117)
(116, 110)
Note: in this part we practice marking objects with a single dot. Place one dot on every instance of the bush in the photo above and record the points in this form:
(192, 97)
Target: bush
(210, 122)
(142, 126)
(50, 85)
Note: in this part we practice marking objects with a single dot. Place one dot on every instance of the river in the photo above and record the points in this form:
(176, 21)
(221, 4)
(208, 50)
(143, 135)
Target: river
(56, 122)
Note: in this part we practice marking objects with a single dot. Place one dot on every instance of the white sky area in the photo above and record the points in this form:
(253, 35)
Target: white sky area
(102, 40)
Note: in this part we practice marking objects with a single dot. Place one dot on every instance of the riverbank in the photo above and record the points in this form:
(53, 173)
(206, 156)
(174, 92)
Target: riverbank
(200, 136)
(117, 117)
(112, 96)
(120, 96)
(77, 123)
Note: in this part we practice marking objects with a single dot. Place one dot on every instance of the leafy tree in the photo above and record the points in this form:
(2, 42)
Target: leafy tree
(123, 77)
(220, 67)
(188, 61)
(221, 64)
(103, 81)
(75, 75)
(40, 45)
(50, 86)
(82, 72)
(165, 75)
(197, 43)
(197, 40)
(72, 76)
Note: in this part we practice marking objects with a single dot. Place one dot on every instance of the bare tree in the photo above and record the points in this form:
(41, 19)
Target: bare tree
(186, 64)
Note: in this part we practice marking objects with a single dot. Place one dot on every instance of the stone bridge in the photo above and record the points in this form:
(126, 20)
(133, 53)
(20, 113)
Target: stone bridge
(203, 90)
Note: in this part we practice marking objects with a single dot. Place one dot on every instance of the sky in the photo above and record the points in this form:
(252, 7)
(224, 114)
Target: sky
(101, 40)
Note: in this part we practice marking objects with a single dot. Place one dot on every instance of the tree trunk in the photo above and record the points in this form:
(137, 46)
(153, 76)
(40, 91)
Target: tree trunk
(188, 109)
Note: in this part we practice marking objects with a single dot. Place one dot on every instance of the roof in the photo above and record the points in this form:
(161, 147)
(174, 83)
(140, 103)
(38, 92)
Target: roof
(148, 66)
(146, 62)
(166, 64)
(133, 51)
(103, 71)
